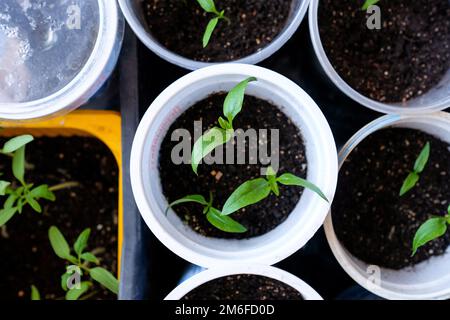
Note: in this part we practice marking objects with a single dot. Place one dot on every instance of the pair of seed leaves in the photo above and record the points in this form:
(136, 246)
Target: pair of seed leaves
(248, 193)
(25, 194)
(210, 7)
(80, 262)
(432, 228)
(369, 3)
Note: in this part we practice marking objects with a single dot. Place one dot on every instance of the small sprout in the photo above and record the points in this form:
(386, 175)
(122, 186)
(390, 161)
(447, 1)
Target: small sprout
(414, 176)
(430, 230)
(253, 191)
(78, 263)
(210, 7)
(20, 194)
(218, 136)
(368, 4)
(35, 295)
(214, 216)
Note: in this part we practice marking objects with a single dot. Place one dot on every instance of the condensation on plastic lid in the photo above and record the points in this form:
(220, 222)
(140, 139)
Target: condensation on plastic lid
(44, 45)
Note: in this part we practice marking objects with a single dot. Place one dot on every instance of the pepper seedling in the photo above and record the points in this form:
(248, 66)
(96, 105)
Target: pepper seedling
(414, 176)
(213, 215)
(22, 193)
(210, 7)
(79, 264)
(256, 190)
(430, 230)
(369, 3)
(218, 136)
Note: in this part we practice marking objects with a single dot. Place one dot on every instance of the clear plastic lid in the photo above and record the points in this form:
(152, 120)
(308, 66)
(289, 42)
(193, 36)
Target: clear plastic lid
(44, 44)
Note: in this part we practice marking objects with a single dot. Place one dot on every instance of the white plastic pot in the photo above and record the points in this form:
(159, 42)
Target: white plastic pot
(277, 244)
(436, 99)
(92, 74)
(132, 10)
(427, 280)
(203, 277)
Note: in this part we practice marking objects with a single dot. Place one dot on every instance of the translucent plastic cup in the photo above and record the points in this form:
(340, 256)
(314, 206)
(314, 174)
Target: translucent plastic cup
(427, 280)
(436, 99)
(132, 10)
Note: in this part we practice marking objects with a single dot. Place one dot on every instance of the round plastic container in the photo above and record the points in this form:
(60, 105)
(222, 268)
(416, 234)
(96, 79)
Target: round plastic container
(277, 244)
(436, 99)
(55, 56)
(427, 280)
(203, 277)
(132, 10)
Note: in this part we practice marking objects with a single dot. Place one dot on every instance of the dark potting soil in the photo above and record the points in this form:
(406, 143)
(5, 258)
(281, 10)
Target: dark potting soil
(244, 287)
(404, 59)
(27, 257)
(180, 25)
(222, 179)
(370, 218)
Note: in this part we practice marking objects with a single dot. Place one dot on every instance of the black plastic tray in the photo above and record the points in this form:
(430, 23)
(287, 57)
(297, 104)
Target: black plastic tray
(149, 270)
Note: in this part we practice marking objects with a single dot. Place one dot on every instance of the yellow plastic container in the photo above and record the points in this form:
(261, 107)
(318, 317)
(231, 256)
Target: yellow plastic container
(104, 125)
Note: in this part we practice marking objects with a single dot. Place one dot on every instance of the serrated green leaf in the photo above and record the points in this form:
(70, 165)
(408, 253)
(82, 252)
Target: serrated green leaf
(16, 143)
(430, 230)
(224, 223)
(212, 24)
(35, 295)
(43, 192)
(197, 198)
(207, 143)
(235, 98)
(422, 159)
(87, 256)
(6, 215)
(105, 278)
(248, 193)
(82, 241)
(207, 5)
(18, 164)
(409, 183)
(59, 243)
(76, 293)
(289, 179)
(369, 3)
(3, 187)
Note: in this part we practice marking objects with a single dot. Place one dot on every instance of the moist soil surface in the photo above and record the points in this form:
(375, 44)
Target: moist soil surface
(244, 287)
(370, 218)
(180, 25)
(222, 179)
(404, 59)
(27, 255)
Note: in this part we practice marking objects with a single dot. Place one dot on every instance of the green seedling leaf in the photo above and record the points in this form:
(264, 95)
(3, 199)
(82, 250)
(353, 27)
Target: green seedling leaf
(82, 241)
(212, 24)
(43, 192)
(190, 198)
(64, 278)
(224, 124)
(207, 143)
(33, 203)
(9, 203)
(289, 179)
(76, 293)
(3, 187)
(6, 215)
(248, 193)
(35, 295)
(87, 256)
(409, 183)
(16, 143)
(59, 243)
(18, 164)
(235, 98)
(208, 6)
(224, 223)
(105, 278)
(430, 230)
(422, 159)
(369, 3)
